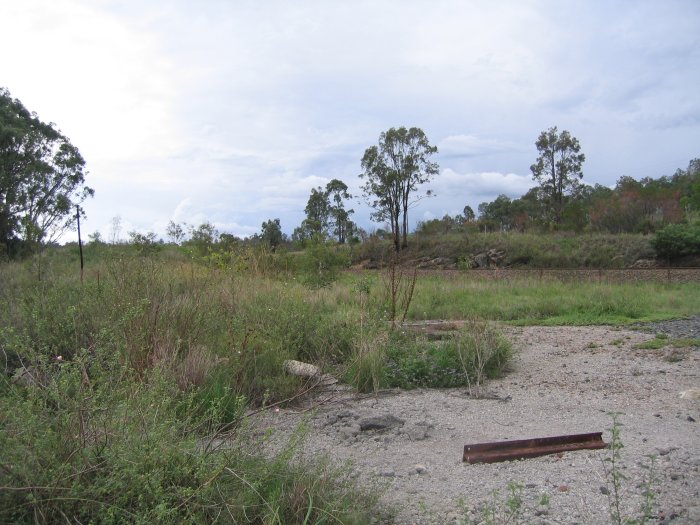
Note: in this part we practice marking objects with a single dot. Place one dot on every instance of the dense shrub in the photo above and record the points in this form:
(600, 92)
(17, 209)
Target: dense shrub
(321, 263)
(677, 240)
(88, 441)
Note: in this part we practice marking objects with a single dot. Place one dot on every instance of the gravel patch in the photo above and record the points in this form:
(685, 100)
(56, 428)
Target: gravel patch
(564, 380)
(675, 328)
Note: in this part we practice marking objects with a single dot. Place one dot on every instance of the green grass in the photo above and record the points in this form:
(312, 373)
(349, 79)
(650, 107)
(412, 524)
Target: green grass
(662, 341)
(151, 355)
(95, 443)
(136, 369)
(534, 302)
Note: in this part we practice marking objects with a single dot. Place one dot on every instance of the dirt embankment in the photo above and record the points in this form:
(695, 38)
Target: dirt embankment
(564, 381)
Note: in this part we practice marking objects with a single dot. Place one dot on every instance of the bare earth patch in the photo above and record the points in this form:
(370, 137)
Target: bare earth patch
(564, 380)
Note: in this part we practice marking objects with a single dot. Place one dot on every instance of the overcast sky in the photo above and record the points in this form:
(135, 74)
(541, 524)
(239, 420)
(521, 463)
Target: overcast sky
(231, 111)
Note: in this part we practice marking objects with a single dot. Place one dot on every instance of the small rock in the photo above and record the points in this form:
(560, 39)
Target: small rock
(604, 490)
(563, 488)
(693, 393)
(690, 418)
(418, 433)
(541, 510)
(666, 451)
(420, 469)
(675, 476)
(388, 474)
(657, 415)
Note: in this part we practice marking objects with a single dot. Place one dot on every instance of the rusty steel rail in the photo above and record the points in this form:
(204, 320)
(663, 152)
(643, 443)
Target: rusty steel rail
(530, 448)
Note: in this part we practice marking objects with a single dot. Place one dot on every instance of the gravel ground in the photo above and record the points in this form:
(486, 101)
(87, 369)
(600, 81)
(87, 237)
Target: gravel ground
(565, 380)
(677, 328)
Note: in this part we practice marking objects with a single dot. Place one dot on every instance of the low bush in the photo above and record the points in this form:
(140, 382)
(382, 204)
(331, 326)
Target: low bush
(321, 263)
(677, 240)
(400, 359)
(483, 353)
(88, 441)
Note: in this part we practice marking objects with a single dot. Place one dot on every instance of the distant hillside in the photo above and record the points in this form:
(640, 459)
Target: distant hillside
(560, 250)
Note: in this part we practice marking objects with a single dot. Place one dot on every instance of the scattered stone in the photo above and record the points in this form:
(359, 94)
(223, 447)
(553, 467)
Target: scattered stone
(690, 418)
(384, 422)
(666, 451)
(436, 263)
(644, 263)
(419, 431)
(388, 474)
(541, 510)
(604, 490)
(420, 469)
(675, 328)
(563, 488)
(693, 393)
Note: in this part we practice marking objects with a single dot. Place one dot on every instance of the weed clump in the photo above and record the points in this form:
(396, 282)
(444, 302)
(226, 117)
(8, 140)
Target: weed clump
(90, 441)
(401, 359)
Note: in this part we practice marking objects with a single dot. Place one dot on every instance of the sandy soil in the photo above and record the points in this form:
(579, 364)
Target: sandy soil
(564, 380)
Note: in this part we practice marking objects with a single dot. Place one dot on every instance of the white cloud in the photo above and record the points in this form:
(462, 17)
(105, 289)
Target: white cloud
(180, 210)
(483, 184)
(472, 146)
(105, 83)
(232, 111)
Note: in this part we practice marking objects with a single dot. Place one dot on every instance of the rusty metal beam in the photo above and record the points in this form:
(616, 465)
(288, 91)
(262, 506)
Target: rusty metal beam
(530, 448)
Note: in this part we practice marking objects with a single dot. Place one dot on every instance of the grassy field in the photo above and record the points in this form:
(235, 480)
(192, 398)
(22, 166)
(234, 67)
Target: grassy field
(110, 387)
(551, 302)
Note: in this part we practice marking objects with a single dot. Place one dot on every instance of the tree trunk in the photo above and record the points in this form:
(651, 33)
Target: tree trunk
(397, 233)
(404, 242)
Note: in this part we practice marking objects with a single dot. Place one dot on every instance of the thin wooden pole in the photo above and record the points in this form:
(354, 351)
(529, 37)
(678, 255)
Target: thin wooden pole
(80, 242)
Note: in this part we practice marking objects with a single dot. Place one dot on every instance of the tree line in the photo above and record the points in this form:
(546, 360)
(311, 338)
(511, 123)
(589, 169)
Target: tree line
(631, 206)
(42, 185)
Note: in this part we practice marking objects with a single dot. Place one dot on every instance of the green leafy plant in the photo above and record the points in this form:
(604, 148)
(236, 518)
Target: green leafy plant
(93, 442)
(503, 510)
(321, 263)
(617, 481)
(677, 240)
